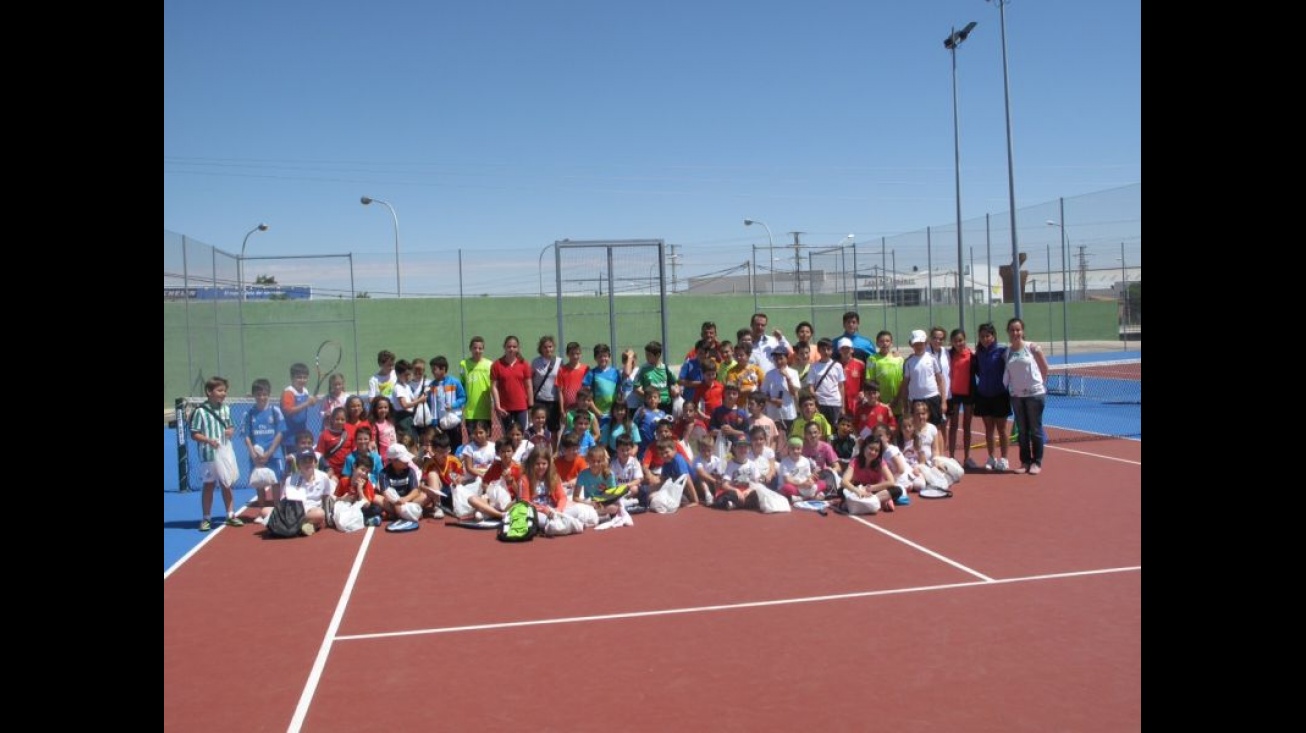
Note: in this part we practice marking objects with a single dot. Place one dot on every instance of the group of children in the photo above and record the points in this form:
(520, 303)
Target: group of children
(601, 442)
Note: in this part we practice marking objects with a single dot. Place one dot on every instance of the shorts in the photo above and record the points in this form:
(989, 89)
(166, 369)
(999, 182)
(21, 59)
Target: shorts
(956, 401)
(208, 473)
(999, 406)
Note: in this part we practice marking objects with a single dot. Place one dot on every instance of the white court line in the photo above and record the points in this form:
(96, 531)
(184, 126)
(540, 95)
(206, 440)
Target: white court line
(923, 549)
(315, 676)
(1093, 455)
(729, 606)
(211, 534)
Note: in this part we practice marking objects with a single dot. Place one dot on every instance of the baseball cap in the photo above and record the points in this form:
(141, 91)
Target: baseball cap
(844, 342)
(306, 455)
(918, 337)
(796, 442)
(397, 452)
(779, 351)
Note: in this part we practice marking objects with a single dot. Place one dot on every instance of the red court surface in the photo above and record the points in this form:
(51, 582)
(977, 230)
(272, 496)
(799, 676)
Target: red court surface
(1014, 606)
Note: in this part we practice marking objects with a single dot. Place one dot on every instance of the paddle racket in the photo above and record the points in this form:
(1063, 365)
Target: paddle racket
(329, 354)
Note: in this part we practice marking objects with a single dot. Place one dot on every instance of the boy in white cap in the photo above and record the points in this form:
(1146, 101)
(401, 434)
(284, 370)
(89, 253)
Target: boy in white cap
(922, 379)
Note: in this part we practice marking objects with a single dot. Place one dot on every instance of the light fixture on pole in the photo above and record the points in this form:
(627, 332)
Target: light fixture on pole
(1011, 166)
(367, 200)
(951, 43)
(770, 242)
(240, 269)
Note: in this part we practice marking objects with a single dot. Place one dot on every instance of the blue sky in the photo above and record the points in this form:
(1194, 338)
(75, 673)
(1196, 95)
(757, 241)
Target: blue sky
(499, 127)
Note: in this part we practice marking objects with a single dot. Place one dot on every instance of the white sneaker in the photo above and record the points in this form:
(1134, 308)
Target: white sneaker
(261, 519)
(307, 529)
(437, 513)
(1003, 465)
(991, 464)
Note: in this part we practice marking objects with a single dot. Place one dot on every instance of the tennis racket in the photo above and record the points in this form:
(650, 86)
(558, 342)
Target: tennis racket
(813, 505)
(329, 354)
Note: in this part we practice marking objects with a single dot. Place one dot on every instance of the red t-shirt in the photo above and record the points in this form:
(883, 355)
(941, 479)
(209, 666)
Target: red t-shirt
(568, 381)
(346, 488)
(712, 395)
(853, 372)
(514, 383)
(336, 447)
(959, 365)
(868, 416)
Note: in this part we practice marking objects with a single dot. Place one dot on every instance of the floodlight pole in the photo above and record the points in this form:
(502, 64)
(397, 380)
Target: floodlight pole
(367, 200)
(240, 269)
(1011, 166)
(770, 250)
(951, 42)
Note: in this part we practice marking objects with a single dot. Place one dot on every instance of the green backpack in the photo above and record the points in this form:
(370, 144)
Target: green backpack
(519, 523)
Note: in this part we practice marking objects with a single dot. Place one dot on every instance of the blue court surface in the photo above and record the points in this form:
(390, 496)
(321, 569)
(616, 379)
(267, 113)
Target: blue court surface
(1116, 413)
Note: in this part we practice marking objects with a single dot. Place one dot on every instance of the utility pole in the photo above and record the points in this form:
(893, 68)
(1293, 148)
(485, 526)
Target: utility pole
(798, 264)
(1083, 272)
(675, 262)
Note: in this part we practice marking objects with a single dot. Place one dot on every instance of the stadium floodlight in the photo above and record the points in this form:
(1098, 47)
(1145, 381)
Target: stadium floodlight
(770, 243)
(951, 43)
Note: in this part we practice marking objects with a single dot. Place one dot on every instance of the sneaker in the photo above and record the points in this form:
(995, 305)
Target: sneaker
(235, 522)
(437, 514)
(903, 500)
(261, 519)
(307, 529)
(637, 509)
(373, 521)
(991, 464)
(971, 465)
(1003, 465)
(1034, 469)
(402, 525)
(205, 525)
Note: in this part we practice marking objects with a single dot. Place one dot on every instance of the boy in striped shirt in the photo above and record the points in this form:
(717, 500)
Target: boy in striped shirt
(211, 427)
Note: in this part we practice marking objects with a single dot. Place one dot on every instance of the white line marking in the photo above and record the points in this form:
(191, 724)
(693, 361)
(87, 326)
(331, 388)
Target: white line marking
(728, 607)
(315, 676)
(925, 550)
(211, 534)
(1093, 455)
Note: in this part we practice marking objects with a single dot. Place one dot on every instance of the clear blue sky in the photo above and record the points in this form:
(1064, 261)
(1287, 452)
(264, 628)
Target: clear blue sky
(502, 126)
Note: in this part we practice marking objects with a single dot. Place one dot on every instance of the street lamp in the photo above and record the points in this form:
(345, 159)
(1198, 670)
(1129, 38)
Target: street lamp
(951, 43)
(770, 242)
(1011, 169)
(240, 264)
(367, 200)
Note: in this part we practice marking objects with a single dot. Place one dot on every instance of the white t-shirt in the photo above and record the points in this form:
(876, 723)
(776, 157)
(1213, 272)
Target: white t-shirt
(829, 387)
(796, 470)
(777, 383)
(942, 357)
(928, 434)
(545, 387)
(1022, 376)
(626, 472)
(474, 456)
(310, 491)
(920, 371)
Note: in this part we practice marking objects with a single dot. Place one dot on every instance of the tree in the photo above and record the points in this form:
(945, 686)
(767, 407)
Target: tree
(265, 280)
(363, 294)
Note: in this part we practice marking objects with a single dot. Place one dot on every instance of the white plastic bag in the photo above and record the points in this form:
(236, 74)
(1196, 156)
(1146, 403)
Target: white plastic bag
(422, 415)
(560, 524)
(410, 510)
(224, 464)
(950, 466)
(666, 500)
(462, 493)
(586, 513)
(262, 477)
(859, 504)
(348, 516)
(771, 502)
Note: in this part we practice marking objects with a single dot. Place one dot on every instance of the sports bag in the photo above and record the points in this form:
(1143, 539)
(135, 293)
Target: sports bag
(286, 518)
(520, 523)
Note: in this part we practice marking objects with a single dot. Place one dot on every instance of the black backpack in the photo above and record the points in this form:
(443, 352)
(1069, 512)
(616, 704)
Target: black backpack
(286, 519)
(519, 523)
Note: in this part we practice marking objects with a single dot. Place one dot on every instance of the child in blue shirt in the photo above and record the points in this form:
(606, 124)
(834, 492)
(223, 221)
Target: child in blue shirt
(647, 419)
(264, 427)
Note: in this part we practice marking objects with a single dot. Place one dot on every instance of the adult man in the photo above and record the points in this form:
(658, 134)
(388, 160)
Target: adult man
(764, 344)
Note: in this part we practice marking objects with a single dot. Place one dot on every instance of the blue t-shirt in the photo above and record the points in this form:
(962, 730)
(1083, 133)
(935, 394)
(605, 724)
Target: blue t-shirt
(593, 484)
(263, 425)
(647, 420)
(603, 384)
(676, 467)
(374, 475)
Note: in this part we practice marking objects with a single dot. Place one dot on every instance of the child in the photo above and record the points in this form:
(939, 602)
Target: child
(729, 422)
(568, 463)
(334, 445)
(740, 473)
(355, 413)
(826, 380)
(264, 428)
(825, 462)
(992, 401)
(868, 485)
(603, 380)
(363, 449)
(597, 485)
(800, 362)
(475, 374)
(781, 387)
(544, 374)
(381, 419)
(310, 485)
(809, 415)
(763, 458)
(581, 431)
(442, 471)
(538, 431)
(871, 412)
(711, 392)
(626, 387)
(647, 419)
(403, 399)
(725, 359)
(570, 378)
(691, 372)
(709, 469)
(630, 470)
(616, 424)
(211, 427)
(746, 376)
(959, 406)
(295, 403)
(357, 486)
(844, 442)
(401, 486)
(303, 441)
(674, 465)
(383, 382)
(654, 376)
(798, 474)
(445, 396)
(335, 396)
(922, 379)
(653, 459)
(757, 418)
(885, 367)
(494, 496)
(585, 404)
(478, 455)
(689, 420)
(854, 370)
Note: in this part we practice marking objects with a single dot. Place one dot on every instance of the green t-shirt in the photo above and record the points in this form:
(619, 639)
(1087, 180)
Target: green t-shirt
(475, 377)
(887, 372)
